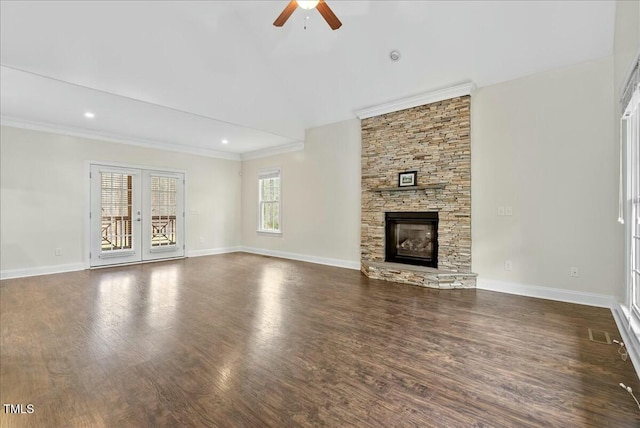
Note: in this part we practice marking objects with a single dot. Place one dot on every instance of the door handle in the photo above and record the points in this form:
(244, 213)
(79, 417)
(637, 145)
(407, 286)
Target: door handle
(138, 219)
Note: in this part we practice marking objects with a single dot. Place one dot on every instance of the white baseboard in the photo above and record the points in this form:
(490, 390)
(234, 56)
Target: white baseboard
(629, 336)
(579, 297)
(213, 251)
(304, 258)
(41, 270)
(47, 270)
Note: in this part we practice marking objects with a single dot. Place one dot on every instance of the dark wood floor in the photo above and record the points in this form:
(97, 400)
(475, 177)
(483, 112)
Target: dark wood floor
(250, 341)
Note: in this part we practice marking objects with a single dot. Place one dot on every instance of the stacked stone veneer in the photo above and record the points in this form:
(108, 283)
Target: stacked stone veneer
(434, 140)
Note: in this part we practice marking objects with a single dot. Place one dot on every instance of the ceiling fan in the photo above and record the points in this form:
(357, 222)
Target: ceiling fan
(322, 7)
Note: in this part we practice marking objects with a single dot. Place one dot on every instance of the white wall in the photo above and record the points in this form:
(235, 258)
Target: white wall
(320, 198)
(42, 198)
(543, 145)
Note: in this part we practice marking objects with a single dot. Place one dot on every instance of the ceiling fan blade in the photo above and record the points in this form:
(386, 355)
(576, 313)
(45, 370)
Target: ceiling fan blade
(328, 15)
(286, 13)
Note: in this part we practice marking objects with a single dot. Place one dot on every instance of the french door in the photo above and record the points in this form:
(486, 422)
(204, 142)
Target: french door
(632, 133)
(136, 215)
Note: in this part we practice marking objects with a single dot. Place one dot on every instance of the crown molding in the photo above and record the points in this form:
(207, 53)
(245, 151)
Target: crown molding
(417, 100)
(114, 138)
(272, 151)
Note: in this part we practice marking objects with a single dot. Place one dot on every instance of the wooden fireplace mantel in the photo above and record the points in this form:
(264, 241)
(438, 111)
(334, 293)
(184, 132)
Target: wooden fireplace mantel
(434, 186)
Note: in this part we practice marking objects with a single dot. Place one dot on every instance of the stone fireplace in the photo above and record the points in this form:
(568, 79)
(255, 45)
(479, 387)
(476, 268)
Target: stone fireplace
(418, 234)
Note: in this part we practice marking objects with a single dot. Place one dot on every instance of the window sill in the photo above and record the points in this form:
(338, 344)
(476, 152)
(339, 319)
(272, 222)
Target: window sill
(269, 232)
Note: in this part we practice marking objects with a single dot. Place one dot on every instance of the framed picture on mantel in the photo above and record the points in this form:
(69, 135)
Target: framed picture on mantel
(409, 178)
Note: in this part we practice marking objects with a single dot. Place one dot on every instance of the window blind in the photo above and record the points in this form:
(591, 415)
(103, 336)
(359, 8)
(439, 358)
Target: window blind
(630, 86)
(268, 173)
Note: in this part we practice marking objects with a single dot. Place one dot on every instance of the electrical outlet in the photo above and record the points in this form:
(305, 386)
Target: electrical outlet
(58, 251)
(508, 210)
(500, 211)
(573, 271)
(508, 265)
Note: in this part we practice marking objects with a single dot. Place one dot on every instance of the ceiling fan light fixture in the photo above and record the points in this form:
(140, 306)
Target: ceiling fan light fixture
(320, 5)
(308, 4)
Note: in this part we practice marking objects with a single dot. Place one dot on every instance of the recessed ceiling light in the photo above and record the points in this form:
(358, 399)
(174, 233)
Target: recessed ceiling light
(89, 115)
(225, 141)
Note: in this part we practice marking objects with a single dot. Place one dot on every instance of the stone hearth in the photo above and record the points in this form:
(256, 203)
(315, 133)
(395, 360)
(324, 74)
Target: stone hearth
(419, 275)
(433, 140)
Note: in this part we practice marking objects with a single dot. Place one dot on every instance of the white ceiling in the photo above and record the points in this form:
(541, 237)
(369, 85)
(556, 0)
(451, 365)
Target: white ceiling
(185, 75)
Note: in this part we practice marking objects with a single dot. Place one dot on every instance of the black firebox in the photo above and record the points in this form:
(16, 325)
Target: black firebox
(412, 238)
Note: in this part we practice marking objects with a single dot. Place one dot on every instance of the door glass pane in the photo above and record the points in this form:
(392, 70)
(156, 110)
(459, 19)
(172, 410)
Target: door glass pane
(116, 210)
(634, 172)
(163, 211)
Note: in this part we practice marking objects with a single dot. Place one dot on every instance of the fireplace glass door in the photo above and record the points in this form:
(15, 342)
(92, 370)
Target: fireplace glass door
(414, 240)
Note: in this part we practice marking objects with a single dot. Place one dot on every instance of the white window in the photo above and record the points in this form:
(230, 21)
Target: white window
(269, 212)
